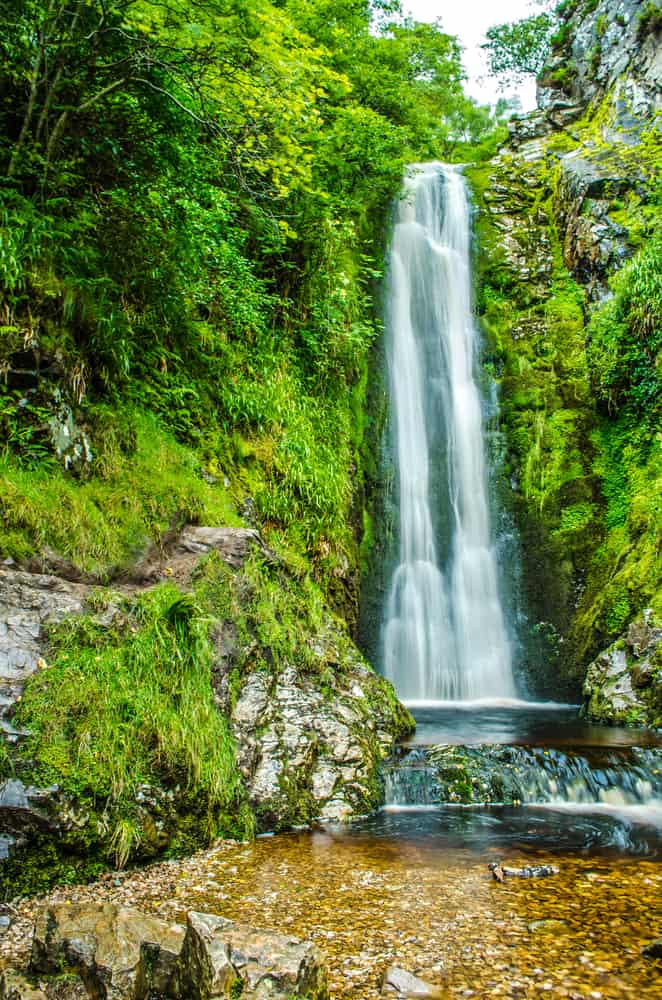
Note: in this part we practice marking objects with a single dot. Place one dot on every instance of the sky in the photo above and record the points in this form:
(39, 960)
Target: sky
(469, 20)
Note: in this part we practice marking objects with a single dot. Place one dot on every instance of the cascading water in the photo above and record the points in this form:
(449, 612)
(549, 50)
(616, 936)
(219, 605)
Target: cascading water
(444, 632)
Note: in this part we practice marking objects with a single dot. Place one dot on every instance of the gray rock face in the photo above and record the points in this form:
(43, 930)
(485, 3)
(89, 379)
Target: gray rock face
(594, 245)
(123, 954)
(29, 602)
(118, 952)
(309, 754)
(219, 957)
(624, 683)
(182, 554)
(609, 47)
(25, 809)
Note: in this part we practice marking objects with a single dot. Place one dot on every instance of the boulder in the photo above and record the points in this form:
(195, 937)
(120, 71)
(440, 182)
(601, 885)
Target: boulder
(119, 953)
(308, 754)
(223, 959)
(624, 683)
(179, 556)
(400, 983)
(14, 986)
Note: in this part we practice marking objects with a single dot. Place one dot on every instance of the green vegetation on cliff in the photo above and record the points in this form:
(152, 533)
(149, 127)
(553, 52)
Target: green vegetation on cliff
(192, 203)
(129, 705)
(570, 275)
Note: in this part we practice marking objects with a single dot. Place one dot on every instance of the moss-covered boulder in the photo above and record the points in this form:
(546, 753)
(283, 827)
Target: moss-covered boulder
(210, 693)
(624, 683)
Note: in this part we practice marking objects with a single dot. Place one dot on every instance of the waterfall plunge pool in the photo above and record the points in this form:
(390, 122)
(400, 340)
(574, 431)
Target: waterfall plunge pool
(544, 724)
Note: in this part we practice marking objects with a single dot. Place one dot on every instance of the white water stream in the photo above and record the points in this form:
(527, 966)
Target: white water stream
(444, 634)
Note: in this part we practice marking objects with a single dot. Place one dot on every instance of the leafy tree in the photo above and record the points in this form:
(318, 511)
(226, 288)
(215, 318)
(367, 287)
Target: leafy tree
(519, 49)
(192, 198)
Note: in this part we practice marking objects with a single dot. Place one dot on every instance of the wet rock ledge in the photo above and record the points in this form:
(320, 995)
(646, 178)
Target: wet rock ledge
(103, 950)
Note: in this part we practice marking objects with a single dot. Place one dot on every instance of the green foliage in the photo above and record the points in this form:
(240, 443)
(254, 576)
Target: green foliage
(192, 209)
(625, 339)
(561, 78)
(520, 48)
(650, 20)
(130, 500)
(118, 710)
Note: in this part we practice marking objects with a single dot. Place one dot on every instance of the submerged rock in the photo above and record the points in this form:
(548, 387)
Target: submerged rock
(400, 983)
(500, 872)
(654, 949)
(513, 775)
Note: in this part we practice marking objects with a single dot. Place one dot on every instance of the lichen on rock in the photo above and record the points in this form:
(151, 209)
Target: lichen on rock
(624, 683)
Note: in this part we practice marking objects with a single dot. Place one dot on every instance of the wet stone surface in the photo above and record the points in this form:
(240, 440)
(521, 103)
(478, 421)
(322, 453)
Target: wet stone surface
(372, 902)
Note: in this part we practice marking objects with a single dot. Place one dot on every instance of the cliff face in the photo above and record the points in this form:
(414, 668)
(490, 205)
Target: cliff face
(570, 297)
(611, 46)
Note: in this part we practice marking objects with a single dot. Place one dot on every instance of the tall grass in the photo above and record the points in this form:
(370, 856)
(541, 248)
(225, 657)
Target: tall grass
(134, 706)
(104, 522)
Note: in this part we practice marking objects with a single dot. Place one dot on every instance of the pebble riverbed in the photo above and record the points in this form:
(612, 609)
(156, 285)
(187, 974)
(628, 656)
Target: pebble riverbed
(369, 903)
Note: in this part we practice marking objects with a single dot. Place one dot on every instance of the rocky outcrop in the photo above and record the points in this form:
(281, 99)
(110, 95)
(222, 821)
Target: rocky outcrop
(29, 603)
(218, 956)
(309, 738)
(178, 558)
(624, 683)
(614, 44)
(594, 245)
(563, 208)
(119, 953)
(310, 753)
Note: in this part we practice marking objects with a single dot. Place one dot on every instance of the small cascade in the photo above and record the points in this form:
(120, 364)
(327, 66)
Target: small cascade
(514, 775)
(411, 781)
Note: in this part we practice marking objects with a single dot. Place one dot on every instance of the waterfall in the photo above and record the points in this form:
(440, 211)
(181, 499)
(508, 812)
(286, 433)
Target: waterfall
(444, 631)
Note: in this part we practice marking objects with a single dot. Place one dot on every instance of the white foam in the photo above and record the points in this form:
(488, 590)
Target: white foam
(395, 808)
(516, 703)
(649, 814)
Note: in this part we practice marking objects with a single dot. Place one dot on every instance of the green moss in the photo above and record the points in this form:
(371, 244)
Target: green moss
(650, 20)
(576, 518)
(131, 706)
(35, 870)
(131, 499)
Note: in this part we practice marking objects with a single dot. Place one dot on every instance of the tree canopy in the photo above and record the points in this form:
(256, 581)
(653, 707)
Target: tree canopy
(192, 202)
(520, 48)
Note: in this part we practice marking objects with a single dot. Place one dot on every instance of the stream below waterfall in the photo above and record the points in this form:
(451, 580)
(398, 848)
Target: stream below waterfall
(412, 887)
